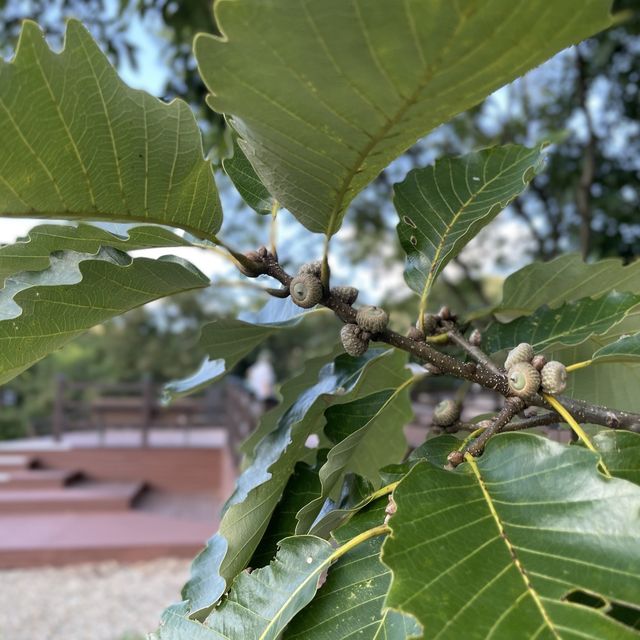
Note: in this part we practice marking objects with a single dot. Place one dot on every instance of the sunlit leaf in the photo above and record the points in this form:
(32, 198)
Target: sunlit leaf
(442, 208)
(564, 279)
(32, 253)
(323, 95)
(78, 143)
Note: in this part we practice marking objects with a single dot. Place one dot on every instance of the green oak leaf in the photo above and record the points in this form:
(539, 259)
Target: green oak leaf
(32, 253)
(302, 488)
(261, 485)
(260, 604)
(227, 340)
(610, 384)
(564, 279)
(496, 548)
(324, 95)
(79, 143)
(41, 311)
(247, 183)
(569, 325)
(368, 434)
(620, 451)
(624, 349)
(435, 450)
(443, 207)
(350, 603)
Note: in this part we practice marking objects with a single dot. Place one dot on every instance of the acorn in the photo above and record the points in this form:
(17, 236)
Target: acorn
(306, 291)
(311, 268)
(415, 334)
(522, 353)
(539, 361)
(354, 340)
(446, 413)
(524, 379)
(475, 339)
(372, 319)
(431, 322)
(554, 377)
(348, 295)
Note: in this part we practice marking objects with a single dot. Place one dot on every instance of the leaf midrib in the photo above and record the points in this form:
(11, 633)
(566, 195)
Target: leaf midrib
(444, 237)
(386, 127)
(536, 597)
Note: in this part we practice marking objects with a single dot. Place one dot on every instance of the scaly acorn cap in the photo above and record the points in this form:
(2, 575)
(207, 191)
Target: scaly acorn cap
(524, 379)
(431, 323)
(522, 353)
(353, 341)
(311, 268)
(554, 377)
(348, 295)
(446, 413)
(372, 319)
(306, 291)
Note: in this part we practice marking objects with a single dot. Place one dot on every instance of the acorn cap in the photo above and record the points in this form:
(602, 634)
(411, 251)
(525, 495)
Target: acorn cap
(372, 319)
(311, 268)
(353, 340)
(554, 377)
(522, 353)
(431, 322)
(446, 413)
(348, 295)
(306, 291)
(524, 379)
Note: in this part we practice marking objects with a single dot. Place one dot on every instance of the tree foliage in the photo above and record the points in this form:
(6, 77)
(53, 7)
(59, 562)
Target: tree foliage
(485, 535)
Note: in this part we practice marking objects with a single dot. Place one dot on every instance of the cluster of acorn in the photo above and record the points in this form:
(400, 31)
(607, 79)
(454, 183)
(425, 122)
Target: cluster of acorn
(369, 321)
(307, 291)
(529, 373)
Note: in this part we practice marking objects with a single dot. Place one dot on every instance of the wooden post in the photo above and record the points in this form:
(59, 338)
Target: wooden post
(58, 407)
(147, 409)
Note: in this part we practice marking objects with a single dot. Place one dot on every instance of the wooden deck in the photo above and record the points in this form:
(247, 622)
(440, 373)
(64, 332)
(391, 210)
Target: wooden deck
(92, 496)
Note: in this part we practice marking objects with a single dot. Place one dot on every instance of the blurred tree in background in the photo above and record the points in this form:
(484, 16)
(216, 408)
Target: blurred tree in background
(586, 200)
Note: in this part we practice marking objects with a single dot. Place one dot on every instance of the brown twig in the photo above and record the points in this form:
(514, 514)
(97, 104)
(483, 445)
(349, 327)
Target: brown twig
(475, 352)
(512, 407)
(479, 373)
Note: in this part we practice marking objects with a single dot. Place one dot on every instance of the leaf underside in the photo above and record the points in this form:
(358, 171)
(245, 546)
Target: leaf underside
(564, 279)
(43, 310)
(326, 94)
(33, 252)
(260, 486)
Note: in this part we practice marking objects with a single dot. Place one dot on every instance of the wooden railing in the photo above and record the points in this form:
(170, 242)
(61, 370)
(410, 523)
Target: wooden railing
(81, 406)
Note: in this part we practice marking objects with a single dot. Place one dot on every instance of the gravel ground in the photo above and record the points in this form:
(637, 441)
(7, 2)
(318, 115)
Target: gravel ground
(105, 601)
